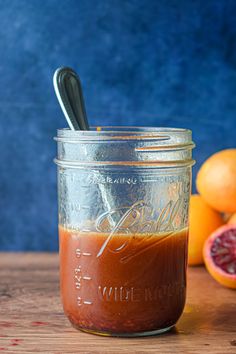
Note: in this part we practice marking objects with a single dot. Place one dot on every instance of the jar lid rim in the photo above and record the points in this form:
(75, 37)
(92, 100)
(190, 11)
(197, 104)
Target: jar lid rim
(123, 133)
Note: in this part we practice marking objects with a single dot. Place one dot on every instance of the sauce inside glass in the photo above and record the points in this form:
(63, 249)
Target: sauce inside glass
(123, 283)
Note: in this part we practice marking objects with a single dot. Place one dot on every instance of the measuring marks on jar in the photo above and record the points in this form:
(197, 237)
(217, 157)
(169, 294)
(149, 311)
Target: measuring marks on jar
(81, 279)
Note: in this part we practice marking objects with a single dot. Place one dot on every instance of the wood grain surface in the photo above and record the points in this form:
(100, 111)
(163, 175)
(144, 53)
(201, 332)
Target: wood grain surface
(32, 319)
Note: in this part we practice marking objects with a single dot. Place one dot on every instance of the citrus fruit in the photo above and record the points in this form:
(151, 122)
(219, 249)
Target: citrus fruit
(232, 219)
(219, 254)
(216, 181)
(203, 220)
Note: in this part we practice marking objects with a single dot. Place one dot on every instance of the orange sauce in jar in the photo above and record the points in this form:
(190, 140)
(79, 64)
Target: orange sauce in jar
(123, 284)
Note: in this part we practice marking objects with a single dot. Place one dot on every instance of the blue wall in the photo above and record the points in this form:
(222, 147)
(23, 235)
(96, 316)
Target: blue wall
(141, 62)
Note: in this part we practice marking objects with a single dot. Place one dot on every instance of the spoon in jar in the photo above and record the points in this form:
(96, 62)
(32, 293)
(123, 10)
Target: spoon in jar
(68, 90)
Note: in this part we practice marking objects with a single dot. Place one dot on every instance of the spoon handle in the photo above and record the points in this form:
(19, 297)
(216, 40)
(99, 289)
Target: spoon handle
(69, 94)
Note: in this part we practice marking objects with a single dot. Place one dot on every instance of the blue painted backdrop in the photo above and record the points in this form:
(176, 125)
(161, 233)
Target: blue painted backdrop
(142, 62)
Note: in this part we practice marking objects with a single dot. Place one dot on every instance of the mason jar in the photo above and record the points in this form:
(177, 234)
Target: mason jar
(123, 227)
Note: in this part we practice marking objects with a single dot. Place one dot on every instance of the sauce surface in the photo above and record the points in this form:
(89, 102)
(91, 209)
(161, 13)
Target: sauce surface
(123, 283)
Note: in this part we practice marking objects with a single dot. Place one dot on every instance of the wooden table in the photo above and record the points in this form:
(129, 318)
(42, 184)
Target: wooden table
(32, 319)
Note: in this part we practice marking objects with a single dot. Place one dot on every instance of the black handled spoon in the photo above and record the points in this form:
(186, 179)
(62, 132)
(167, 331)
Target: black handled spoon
(69, 94)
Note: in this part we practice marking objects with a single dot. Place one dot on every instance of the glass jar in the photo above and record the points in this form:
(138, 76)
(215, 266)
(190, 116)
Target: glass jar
(123, 227)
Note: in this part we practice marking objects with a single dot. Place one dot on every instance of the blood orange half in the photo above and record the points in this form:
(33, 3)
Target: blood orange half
(219, 255)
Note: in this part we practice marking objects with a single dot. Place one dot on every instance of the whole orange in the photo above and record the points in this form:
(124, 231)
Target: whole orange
(216, 181)
(203, 220)
(232, 219)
